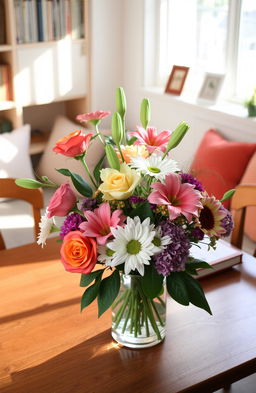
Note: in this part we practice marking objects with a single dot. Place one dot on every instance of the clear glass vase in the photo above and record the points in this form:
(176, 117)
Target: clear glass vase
(138, 321)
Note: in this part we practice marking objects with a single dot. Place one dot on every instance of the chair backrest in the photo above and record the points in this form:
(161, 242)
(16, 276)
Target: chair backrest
(8, 189)
(244, 196)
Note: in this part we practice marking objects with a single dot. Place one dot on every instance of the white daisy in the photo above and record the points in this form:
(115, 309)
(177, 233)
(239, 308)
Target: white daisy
(132, 245)
(105, 254)
(45, 228)
(160, 242)
(155, 166)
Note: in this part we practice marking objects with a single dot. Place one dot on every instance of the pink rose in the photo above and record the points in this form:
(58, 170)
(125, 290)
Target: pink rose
(78, 253)
(62, 201)
(75, 144)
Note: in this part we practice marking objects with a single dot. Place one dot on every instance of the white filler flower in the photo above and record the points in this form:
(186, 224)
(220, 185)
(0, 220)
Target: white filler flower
(45, 228)
(132, 245)
(155, 166)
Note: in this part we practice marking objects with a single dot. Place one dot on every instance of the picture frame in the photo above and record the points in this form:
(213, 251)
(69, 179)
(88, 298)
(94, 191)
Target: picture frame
(211, 87)
(176, 80)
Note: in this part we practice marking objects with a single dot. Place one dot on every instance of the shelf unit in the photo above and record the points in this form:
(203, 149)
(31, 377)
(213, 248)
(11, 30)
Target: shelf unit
(47, 78)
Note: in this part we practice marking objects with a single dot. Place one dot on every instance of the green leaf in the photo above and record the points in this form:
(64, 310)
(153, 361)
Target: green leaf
(177, 289)
(228, 195)
(151, 282)
(145, 112)
(108, 291)
(91, 293)
(81, 185)
(196, 293)
(131, 140)
(198, 264)
(29, 183)
(113, 160)
(143, 211)
(86, 279)
(96, 172)
(177, 136)
(63, 171)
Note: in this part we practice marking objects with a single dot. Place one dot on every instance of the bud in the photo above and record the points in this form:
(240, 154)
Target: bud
(177, 136)
(228, 195)
(117, 128)
(29, 183)
(120, 101)
(113, 160)
(145, 112)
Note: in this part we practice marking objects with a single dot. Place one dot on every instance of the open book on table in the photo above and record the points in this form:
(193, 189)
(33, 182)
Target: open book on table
(222, 258)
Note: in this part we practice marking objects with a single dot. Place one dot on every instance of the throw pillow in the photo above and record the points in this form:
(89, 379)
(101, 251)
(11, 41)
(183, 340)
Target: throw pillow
(14, 153)
(219, 164)
(51, 161)
(249, 177)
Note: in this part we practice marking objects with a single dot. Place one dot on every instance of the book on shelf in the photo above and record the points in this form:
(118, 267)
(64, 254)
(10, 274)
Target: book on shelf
(223, 257)
(48, 20)
(5, 87)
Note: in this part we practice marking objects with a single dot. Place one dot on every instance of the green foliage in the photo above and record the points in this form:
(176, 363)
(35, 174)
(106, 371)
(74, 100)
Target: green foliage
(131, 140)
(108, 291)
(87, 279)
(97, 169)
(185, 289)
(145, 112)
(193, 264)
(143, 211)
(29, 183)
(228, 195)
(91, 292)
(151, 282)
(113, 160)
(117, 128)
(80, 184)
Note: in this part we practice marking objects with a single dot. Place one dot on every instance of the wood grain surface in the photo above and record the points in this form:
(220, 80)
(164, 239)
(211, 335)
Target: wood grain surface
(48, 346)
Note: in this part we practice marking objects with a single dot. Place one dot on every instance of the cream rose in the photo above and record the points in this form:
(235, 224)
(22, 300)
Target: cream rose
(118, 184)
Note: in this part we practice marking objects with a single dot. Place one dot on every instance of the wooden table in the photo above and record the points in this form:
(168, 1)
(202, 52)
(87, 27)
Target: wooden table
(48, 346)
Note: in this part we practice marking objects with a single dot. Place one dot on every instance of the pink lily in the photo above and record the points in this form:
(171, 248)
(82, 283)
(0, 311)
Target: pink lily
(179, 198)
(151, 139)
(99, 222)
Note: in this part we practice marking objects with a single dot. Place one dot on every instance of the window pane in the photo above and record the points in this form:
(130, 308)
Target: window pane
(246, 70)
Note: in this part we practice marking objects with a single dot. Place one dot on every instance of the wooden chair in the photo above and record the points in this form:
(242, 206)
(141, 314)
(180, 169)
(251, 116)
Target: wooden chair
(244, 196)
(8, 189)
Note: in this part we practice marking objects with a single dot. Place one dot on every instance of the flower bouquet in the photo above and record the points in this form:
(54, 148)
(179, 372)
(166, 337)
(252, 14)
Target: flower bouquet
(130, 235)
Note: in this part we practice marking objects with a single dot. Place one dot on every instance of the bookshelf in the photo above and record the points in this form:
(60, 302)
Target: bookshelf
(48, 70)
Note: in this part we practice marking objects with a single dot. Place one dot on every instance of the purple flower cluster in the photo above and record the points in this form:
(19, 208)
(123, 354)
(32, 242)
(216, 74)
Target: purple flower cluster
(227, 222)
(174, 256)
(187, 178)
(88, 204)
(136, 199)
(71, 223)
(197, 234)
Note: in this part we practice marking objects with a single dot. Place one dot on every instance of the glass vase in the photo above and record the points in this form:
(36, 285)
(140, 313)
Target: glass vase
(138, 321)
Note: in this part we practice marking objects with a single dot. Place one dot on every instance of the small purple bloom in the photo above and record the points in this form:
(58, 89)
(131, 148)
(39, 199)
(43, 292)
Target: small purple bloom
(227, 222)
(187, 178)
(197, 234)
(88, 204)
(174, 256)
(136, 199)
(71, 223)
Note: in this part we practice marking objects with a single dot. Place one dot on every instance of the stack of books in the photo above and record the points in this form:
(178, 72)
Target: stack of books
(48, 20)
(5, 86)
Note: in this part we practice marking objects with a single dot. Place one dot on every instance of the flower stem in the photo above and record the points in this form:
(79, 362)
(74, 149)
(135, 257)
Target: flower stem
(87, 171)
(99, 134)
(157, 313)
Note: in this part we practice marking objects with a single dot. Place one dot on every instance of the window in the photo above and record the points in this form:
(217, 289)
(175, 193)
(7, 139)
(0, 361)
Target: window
(216, 36)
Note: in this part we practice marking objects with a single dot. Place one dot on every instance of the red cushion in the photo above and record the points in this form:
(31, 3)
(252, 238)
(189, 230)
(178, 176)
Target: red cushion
(219, 164)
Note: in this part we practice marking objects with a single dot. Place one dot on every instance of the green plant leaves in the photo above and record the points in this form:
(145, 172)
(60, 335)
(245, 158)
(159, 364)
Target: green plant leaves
(228, 195)
(29, 183)
(186, 289)
(194, 264)
(151, 282)
(79, 183)
(86, 279)
(143, 211)
(176, 288)
(91, 292)
(108, 291)
(97, 169)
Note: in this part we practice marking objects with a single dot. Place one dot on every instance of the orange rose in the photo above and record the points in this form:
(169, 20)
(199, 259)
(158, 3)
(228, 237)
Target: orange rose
(75, 144)
(78, 253)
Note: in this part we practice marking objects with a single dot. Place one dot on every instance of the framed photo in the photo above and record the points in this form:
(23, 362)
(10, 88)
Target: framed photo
(176, 80)
(211, 87)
